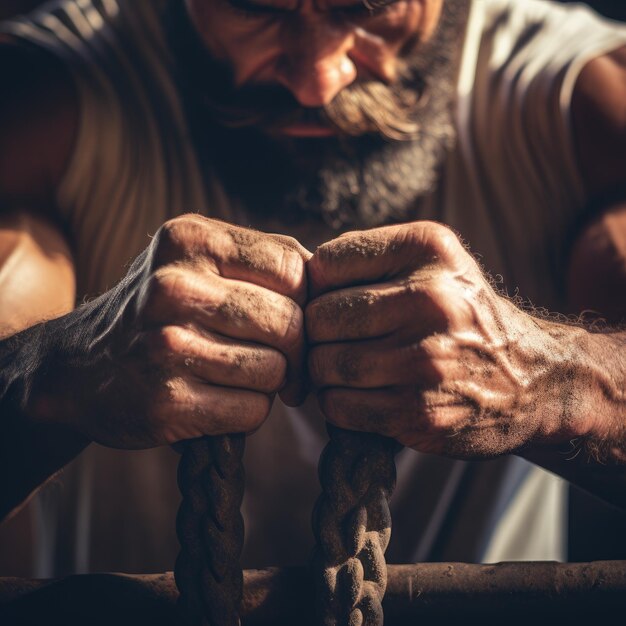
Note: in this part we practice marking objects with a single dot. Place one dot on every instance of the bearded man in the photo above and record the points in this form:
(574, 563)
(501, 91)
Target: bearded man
(501, 120)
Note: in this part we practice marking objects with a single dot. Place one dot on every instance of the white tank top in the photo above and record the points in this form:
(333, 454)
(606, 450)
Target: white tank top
(134, 166)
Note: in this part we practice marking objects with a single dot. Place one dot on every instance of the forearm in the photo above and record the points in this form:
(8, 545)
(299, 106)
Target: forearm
(31, 448)
(590, 450)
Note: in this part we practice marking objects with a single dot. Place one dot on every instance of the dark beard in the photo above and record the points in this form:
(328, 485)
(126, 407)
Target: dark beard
(388, 153)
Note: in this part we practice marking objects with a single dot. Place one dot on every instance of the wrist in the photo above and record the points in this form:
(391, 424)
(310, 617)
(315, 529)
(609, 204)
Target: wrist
(606, 397)
(42, 384)
(582, 392)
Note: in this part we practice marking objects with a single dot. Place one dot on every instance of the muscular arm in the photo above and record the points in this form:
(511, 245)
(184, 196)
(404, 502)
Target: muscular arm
(416, 345)
(197, 339)
(597, 278)
(37, 125)
(36, 283)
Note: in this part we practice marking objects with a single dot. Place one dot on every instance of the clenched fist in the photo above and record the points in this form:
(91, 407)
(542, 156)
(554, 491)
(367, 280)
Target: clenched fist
(409, 340)
(198, 338)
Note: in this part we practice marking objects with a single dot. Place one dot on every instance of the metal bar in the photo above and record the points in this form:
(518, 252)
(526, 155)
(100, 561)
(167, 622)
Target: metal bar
(430, 593)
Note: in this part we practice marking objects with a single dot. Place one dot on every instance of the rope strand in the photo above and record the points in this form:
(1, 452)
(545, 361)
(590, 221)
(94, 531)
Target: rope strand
(352, 527)
(210, 531)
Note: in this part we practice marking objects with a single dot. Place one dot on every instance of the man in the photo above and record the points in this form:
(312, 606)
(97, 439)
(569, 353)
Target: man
(310, 119)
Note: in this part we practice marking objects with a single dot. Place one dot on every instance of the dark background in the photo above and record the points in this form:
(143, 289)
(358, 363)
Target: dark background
(613, 8)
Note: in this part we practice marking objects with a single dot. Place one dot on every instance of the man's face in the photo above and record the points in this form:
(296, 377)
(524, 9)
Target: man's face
(312, 48)
(325, 107)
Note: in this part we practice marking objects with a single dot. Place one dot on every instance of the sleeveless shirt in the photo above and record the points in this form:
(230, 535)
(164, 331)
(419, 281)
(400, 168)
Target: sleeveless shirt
(510, 186)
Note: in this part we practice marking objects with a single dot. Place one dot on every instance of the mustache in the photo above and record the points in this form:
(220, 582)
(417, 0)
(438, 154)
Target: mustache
(392, 111)
(366, 106)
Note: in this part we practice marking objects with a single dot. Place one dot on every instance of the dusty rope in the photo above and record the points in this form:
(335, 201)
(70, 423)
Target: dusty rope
(210, 531)
(352, 527)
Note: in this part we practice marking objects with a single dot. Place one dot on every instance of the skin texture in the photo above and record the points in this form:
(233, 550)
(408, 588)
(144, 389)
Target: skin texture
(425, 351)
(206, 327)
(309, 48)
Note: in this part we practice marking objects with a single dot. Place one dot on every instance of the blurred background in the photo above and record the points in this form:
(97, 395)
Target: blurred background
(612, 8)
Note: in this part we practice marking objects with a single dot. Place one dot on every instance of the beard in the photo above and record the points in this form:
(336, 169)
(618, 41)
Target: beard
(389, 147)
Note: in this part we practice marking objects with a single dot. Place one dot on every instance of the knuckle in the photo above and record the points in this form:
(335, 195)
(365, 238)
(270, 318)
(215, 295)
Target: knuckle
(291, 243)
(317, 267)
(446, 242)
(274, 371)
(292, 272)
(428, 297)
(437, 347)
(437, 299)
(429, 412)
(313, 319)
(426, 413)
(185, 237)
(172, 239)
(259, 411)
(169, 340)
(413, 358)
(162, 287)
(316, 365)
(293, 325)
(441, 242)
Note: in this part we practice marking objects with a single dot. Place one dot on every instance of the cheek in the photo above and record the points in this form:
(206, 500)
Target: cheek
(244, 44)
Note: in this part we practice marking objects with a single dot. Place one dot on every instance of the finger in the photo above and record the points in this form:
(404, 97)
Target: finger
(275, 262)
(382, 411)
(195, 409)
(428, 420)
(363, 257)
(222, 361)
(377, 363)
(231, 308)
(375, 311)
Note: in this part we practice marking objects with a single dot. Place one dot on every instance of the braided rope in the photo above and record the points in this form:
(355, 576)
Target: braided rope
(210, 531)
(352, 527)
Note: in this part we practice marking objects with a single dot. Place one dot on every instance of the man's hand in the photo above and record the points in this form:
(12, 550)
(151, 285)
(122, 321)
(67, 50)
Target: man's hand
(196, 340)
(411, 341)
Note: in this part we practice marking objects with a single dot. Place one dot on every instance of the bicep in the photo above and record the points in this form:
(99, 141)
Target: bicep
(597, 274)
(38, 125)
(37, 279)
(599, 125)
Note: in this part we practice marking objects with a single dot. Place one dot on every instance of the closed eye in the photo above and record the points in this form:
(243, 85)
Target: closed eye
(361, 10)
(252, 9)
(367, 8)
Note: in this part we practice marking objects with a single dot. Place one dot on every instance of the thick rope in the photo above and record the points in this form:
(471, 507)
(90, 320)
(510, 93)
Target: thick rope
(352, 527)
(210, 531)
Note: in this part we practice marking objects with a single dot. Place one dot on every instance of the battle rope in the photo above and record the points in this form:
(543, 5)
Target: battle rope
(210, 531)
(352, 527)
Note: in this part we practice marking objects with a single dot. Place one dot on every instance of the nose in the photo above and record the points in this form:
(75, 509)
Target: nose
(315, 65)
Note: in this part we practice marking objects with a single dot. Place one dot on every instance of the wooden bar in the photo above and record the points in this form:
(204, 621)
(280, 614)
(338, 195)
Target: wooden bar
(429, 593)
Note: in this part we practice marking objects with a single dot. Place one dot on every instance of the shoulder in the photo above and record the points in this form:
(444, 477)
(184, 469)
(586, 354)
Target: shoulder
(599, 123)
(38, 124)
